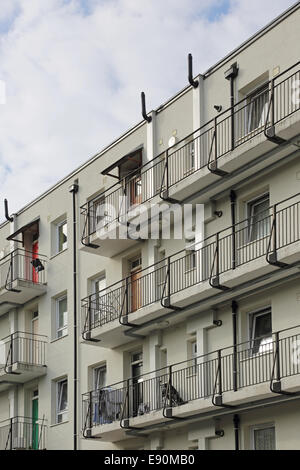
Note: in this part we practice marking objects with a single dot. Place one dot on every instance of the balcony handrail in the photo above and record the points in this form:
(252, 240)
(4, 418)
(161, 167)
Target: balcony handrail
(25, 333)
(24, 348)
(23, 252)
(21, 417)
(236, 107)
(196, 358)
(204, 240)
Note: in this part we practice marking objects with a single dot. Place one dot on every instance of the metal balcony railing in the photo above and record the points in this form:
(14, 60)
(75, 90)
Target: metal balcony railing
(22, 348)
(226, 250)
(22, 265)
(251, 116)
(23, 433)
(261, 360)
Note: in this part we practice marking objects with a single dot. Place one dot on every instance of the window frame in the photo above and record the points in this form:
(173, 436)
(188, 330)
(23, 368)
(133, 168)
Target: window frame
(250, 100)
(250, 204)
(260, 427)
(57, 328)
(251, 330)
(100, 368)
(58, 227)
(61, 413)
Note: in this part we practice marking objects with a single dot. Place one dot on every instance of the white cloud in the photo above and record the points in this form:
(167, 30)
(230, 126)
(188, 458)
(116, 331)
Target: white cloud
(74, 71)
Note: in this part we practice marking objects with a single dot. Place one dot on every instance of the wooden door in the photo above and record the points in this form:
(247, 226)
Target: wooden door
(136, 289)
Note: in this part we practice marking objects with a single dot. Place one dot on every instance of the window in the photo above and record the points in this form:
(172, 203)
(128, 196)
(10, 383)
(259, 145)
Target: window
(189, 153)
(98, 215)
(99, 377)
(263, 437)
(193, 356)
(137, 383)
(261, 331)
(257, 107)
(258, 218)
(100, 306)
(61, 401)
(61, 317)
(62, 236)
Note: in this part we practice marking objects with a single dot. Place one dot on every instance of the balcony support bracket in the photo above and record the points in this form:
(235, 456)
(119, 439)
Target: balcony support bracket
(212, 166)
(166, 303)
(164, 195)
(125, 322)
(271, 135)
(275, 387)
(87, 337)
(272, 259)
(215, 283)
(218, 401)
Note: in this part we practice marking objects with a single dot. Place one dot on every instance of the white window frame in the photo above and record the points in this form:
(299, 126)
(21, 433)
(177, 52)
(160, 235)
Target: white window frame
(267, 346)
(250, 99)
(63, 329)
(193, 356)
(58, 226)
(99, 368)
(249, 213)
(190, 256)
(58, 396)
(260, 427)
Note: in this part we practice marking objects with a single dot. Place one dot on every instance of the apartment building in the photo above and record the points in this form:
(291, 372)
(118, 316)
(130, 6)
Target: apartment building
(164, 343)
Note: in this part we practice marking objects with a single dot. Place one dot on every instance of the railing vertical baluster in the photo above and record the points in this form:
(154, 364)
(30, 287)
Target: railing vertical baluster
(220, 372)
(127, 297)
(11, 434)
(166, 195)
(275, 228)
(90, 408)
(277, 344)
(128, 402)
(272, 102)
(216, 142)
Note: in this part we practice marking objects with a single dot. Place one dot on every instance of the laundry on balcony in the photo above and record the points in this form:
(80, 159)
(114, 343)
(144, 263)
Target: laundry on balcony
(107, 405)
(172, 398)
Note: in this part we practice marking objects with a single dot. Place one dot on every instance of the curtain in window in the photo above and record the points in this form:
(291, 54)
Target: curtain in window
(264, 439)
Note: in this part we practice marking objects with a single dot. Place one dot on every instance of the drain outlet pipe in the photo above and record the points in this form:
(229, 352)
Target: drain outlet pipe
(230, 75)
(74, 190)
(233, 245)
(234, 308)
(236, 428)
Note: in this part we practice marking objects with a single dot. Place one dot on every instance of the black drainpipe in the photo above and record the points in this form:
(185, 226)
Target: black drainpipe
(232, 202)
(74, 189)
(236, 427)
(234, 308)
(231, 74)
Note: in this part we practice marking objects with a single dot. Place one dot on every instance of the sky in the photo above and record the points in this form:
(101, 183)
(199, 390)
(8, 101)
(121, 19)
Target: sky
(71, 73)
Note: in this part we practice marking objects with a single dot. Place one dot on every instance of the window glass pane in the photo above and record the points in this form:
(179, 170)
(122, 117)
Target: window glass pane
(99, 377)
(62, 400)
(264, 439)
(62, 316)
(257, 108)
(262, 332)
(259, 220)
(62, 236)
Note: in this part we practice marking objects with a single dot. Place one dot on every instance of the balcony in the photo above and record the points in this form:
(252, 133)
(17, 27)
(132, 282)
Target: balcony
(254, 371)
(256, 132)
(22, 278)
(22, 358)
(234, 260)
(22, 433)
